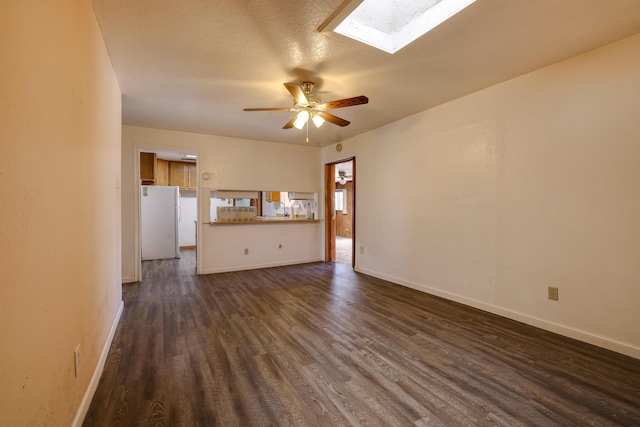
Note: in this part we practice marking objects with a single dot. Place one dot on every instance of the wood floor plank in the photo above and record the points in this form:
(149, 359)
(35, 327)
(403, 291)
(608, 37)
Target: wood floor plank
(318, 345)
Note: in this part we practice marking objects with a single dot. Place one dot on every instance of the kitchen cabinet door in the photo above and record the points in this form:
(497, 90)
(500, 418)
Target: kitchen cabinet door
(148, 168)
(162, 172)
(178, 175)
(193, 178)
(273, 196)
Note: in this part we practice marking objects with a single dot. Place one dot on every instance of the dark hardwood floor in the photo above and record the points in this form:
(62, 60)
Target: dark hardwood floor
(321, 345)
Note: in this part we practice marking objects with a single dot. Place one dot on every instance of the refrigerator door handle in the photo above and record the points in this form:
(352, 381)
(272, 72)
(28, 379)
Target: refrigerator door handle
(177, 232)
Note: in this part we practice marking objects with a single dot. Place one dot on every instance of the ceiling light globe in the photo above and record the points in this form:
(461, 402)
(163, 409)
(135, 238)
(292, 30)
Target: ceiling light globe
(302, 118)
(317, 120)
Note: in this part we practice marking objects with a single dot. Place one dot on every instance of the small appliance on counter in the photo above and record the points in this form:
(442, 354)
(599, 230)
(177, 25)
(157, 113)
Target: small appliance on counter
(236, 213)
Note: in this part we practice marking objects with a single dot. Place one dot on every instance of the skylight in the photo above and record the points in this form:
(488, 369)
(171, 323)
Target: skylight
(391, 25)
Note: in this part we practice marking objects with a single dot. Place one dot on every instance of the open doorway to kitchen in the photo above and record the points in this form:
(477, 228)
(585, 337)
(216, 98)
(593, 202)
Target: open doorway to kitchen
(340, 205)
(165, 232)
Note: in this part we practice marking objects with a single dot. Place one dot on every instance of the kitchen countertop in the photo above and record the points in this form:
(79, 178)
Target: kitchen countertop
(265, 220)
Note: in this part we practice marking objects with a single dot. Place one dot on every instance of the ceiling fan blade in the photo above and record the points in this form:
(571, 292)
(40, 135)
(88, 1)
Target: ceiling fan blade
(289, 124)
(297, 93)
(268, 109)
(333, 119)
(347, 102)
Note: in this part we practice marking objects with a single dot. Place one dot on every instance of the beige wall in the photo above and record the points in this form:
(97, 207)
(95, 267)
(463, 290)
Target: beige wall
(528, 184)
(233, 163)
(60, 114)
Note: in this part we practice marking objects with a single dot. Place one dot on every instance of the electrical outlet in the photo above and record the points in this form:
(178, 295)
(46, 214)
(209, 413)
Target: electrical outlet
(246, 251)
(553, 293)
(362, 250)
(76, 360)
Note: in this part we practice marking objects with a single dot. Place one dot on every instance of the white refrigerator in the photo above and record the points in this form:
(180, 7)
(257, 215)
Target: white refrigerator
(159, 216)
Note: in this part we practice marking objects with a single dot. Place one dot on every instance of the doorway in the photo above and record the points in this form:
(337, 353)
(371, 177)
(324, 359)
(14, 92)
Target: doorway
(340, 193)
(160, 169)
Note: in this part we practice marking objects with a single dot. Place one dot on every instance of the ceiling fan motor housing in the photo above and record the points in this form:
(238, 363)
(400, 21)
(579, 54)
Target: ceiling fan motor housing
(307, 87)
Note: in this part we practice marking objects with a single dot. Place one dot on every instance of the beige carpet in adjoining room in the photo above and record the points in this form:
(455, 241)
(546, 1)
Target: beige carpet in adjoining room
(343, 250)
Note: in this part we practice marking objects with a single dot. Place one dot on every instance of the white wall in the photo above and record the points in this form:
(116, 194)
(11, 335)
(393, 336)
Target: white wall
(60, 127)
(233, 163)
(234, 247)
(528, 184)
(214, 203)
(188, 214)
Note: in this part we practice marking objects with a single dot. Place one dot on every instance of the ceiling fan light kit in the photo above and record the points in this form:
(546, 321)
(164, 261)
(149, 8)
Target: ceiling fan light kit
(301, 119)
(317, 120)
(342, 180)
(308, 106)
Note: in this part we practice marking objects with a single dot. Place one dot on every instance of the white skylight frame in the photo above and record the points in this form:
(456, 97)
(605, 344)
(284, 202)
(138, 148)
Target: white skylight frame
(391, 25)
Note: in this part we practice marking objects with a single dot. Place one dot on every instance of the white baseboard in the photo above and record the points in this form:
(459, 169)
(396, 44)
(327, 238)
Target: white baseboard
(97, 373)
(128, 279)
(568, 331)
(257, 266)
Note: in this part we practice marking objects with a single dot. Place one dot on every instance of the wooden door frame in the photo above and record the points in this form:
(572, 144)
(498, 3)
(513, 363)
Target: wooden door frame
(329, 214)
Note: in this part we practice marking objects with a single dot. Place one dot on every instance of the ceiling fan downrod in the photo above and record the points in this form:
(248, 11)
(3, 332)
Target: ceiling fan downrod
(307, 87)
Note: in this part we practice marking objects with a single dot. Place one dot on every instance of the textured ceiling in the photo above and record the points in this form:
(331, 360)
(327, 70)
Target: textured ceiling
(193, 65)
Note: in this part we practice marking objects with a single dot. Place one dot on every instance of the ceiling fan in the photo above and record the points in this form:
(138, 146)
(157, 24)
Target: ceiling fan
(308, 106)
(342, 177)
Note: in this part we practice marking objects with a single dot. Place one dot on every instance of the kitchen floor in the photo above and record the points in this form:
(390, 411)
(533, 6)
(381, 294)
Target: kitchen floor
(343, 250)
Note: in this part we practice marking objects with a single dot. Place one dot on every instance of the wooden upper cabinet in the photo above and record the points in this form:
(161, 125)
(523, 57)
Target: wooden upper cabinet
(162, 172)
(178, 175)
(193, 177)
(273, 196)
(183, 175)
(148, 168)
(154, 171)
